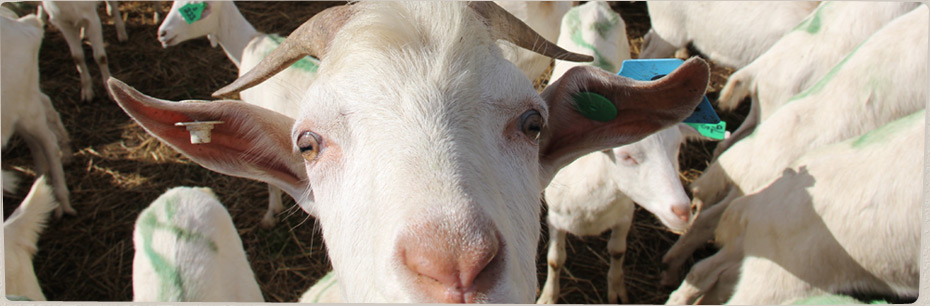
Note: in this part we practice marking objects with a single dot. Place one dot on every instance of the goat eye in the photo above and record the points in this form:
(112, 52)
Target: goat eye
(309, 145)
(530, 124)
(626, 157)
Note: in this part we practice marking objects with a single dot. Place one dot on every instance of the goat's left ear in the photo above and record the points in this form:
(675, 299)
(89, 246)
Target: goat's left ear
(577, 127)
(251, 142)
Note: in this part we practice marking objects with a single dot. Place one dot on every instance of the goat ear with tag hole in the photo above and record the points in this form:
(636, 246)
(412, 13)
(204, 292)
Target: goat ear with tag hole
(641, 108)
(252, 142)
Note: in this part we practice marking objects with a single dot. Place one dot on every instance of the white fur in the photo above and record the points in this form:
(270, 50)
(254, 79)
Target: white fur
(26, 110)
(804, 55)
(880, 81)
(544, 17)
(325, 290)
(423, 149)
(79, 19)
(223, 24)
(10, 181)
(188, 250)
(843, 218)
(731, 33)
(596, 192)
(20, 235)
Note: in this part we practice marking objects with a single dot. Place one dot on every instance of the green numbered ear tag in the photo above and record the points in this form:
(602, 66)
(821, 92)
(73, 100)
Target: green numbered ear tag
(191, 11)
(595, 106)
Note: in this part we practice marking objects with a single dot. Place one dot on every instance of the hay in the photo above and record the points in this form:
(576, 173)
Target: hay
(118, 169)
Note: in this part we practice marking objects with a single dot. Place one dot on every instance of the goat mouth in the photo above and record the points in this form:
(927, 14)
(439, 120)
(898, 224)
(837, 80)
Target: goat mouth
(166, 42)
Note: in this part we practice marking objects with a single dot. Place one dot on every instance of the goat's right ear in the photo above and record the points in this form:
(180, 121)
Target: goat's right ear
(591, 109)
(252, 142)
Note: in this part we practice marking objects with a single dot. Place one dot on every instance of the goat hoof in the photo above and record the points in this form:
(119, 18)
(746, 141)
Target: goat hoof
(87, 95)
(268, 221)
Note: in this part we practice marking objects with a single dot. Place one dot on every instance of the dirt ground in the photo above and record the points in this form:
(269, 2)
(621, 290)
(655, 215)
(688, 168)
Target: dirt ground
(118, 169)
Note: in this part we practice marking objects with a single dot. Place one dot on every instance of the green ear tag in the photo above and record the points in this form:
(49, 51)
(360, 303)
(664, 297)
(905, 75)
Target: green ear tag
(710, 130)
(595, 106)
(191, 11)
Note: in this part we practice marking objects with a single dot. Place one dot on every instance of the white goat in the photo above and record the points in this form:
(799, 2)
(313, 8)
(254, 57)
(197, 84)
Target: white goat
(20, 234)
(843, 218)
(26, 110)
(544, 17)
(803, 56)
(188, 250)
(423, 163)
(596, 192)
(78, 19)
(223, 24)
(325, 290)
(881, 80)
(730, 33)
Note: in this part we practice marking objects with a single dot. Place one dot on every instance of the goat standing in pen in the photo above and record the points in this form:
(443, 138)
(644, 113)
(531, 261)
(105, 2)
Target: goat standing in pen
(844, 218)
(79, 19)
(815, 45)
(424, 162)
(596, 192)
(27, 111)
(880, 81)
(222, 23)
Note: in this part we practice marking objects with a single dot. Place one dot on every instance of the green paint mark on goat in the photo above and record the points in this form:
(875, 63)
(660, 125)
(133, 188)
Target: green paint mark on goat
(882, 133)
(326, 278)
(811, 24)
(574, 24)
(307, 63)
(826, 78)
(171, 287)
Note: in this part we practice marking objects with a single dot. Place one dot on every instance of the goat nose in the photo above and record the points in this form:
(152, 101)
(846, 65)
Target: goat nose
(682, 211)
(452, 267)
(161, 34)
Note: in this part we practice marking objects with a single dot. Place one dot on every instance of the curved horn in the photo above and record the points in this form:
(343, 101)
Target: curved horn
(514, 30)
(311, 38)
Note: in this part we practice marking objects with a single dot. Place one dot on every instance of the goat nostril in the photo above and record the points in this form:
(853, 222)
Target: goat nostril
(683, 213)
(161, 34)
(451, 272)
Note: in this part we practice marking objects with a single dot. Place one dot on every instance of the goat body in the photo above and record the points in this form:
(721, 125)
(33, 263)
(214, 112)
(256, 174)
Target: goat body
(26, 110)
(803, 56)
(78, 19)
(596, 192)
(20, 234)
(843, 218)
(881, 80)
(731, 33)
(188, 250)
(544, 17)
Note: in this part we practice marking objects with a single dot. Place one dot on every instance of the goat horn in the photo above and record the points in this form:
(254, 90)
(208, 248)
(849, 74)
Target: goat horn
(514, 30)
(311, 38)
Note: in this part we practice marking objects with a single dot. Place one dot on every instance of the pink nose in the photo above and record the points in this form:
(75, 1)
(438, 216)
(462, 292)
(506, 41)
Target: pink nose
(452, 265)
(682, 211)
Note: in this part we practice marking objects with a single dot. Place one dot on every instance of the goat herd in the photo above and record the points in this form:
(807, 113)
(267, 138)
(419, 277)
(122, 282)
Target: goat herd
(413, 135)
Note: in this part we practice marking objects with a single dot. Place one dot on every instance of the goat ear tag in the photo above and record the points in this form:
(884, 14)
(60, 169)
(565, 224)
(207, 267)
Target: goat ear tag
(703, 119)
(594, 106)
(192, 11)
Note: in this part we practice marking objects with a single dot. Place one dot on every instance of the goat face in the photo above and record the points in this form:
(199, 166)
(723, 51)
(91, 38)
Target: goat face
(176, 29)
(421, 151)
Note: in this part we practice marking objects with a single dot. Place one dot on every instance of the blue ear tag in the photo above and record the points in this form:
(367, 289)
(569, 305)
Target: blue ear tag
(191, 11)
(703, 119)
